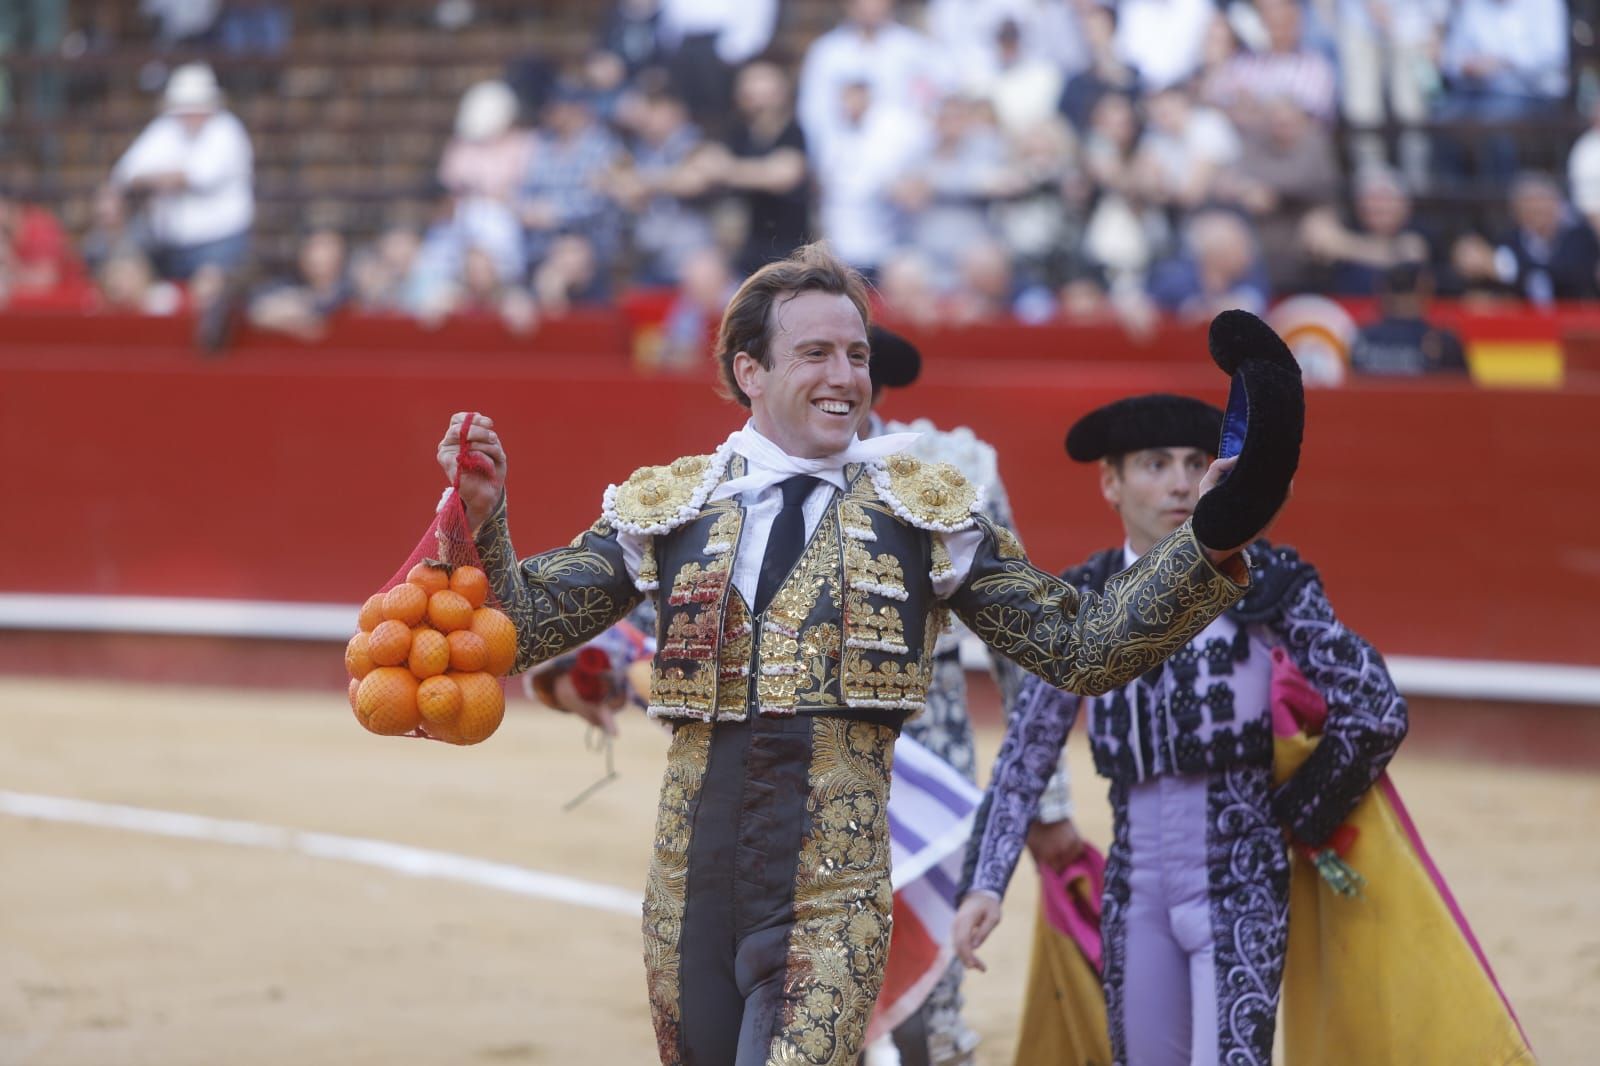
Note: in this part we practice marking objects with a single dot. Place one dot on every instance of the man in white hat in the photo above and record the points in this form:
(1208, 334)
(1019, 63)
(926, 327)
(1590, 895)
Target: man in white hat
(193, 167)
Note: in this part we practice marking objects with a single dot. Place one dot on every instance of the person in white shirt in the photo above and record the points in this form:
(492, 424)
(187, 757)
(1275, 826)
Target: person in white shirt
(705, 41)
(802, 575)
(900, 67)
(856, 167)
(193, 168)
(1163, 39)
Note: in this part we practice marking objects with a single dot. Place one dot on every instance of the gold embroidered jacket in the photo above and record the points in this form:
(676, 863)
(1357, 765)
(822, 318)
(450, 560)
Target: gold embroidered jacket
(855, 622)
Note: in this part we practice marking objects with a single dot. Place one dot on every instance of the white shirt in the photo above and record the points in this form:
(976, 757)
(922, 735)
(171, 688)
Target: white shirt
(966, 31)
(899, 64)
(1583, 172)
(743, 28)
(761, 498)
(1163, 39)
(856, 166)
(218, 165)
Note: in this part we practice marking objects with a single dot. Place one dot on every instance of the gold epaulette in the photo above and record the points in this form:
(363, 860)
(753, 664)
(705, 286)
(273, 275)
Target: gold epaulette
(657, 499)
(933, 496)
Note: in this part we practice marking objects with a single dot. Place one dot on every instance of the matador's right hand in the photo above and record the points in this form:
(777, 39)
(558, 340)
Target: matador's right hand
(482, 483)
(976, 918)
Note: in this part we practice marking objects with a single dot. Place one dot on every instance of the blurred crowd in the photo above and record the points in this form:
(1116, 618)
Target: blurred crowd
(1032, 159)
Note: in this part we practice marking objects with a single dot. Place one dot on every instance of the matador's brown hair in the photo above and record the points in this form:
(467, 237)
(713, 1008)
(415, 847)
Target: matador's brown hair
(747, 322)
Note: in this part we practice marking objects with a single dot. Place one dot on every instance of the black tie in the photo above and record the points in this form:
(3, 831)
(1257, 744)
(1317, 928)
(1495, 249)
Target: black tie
(787, 539)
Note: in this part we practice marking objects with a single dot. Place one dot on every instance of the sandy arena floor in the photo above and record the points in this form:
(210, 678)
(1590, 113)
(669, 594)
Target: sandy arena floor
(118, 947)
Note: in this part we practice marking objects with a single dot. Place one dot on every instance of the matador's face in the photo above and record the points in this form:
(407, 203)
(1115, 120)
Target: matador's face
(1154, 491)
(815, 396)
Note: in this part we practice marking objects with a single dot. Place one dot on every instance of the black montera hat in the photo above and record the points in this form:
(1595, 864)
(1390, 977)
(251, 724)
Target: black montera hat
(1156, 420)
(895, 360)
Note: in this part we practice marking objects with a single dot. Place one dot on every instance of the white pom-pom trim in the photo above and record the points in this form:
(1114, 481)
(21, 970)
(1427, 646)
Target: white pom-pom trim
(890, 591)
(876, 645)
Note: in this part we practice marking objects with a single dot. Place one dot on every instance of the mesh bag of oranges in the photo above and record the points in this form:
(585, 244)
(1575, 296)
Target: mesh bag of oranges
(432, 644)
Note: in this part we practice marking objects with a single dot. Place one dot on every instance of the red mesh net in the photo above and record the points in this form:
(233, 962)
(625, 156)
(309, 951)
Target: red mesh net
(433, 644)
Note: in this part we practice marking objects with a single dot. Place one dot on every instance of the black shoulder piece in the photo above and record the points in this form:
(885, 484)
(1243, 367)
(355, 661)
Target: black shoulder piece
(1092, 574)
(1276, 573)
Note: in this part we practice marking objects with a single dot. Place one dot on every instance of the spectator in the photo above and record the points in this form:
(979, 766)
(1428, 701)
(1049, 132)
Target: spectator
(1387, 52)
(482, 290)
(1183, 150)
(301, 306)
(869, 147)
(379, 272)
(182, 22)
(705, 41)
(40, 265)
(984, 290)
(1583, 169)
(564, 192)
(899, 66)
(658, 188)
(1287, 69)
(259, 27)
(1286, 169)
(128, 285)
(1219, 268)
(571, 274)
(1355, 251)
(1548, 255)
(905, 285)
(1505, 61)
(690, 326)
(488, 156)
(1163, 40)
(969, 35)
(947, 186)
(1043, 212)
(1084, 292)
(192, 168)
(1402, 342)
(1024, 89)
(1121, 234)
(632, 33)
(763, 164)
(1107, 71)
(110, 229)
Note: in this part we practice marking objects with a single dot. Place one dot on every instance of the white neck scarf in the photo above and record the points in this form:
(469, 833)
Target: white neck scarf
(770, 464)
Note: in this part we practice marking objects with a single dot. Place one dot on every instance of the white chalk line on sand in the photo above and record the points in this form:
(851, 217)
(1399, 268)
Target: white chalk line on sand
(396, 858)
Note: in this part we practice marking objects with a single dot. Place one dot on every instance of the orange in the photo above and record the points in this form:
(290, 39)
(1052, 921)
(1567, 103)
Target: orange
(371, 613)
(429, 577)
(449, 611)
(430, 653)
(386, 702)
(468, 651)
(389, 644)
(472, 583)
(483, 705)
(355, 686)
(405, 603)
(356, 658)
(439, 702)
(501, 637)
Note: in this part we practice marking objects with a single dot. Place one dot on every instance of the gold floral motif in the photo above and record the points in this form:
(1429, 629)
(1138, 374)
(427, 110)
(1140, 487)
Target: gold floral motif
(724, 533)
(694, 638)
(934, 494)
(814, 582)
(889, 683)
(733, 685)
(883, 629)
(561, 598)
(689, 688)
(874, 573)
(843, 902)
(1006, 544)
(654, 495)
(1092, 644)
(649, 574)
(666, 884)
(820, 646)
(939, 559)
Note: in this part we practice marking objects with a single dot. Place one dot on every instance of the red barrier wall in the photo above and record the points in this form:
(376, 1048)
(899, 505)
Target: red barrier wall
(1446, 520)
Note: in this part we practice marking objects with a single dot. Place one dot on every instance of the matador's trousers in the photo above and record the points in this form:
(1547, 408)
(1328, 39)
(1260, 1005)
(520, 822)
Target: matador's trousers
(768, 907)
